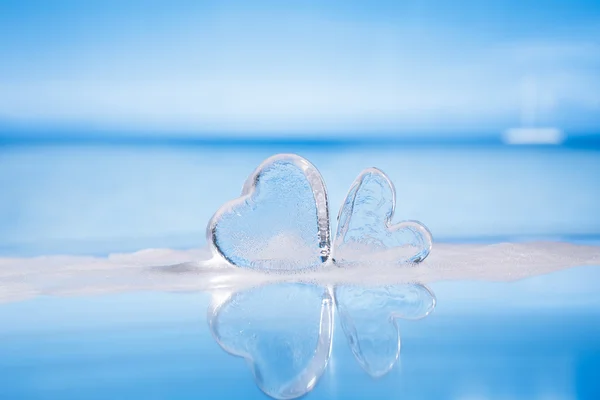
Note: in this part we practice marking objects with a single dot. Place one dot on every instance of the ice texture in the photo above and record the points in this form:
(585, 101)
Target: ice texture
(369, 320)
(281, 221)
(365, 233)
(284, 331)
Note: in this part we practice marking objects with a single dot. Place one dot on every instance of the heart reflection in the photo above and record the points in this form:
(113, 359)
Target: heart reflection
(369, 320)
(284, 331)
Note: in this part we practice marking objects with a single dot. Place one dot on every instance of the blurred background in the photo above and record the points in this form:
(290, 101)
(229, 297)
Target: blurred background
(125, 124)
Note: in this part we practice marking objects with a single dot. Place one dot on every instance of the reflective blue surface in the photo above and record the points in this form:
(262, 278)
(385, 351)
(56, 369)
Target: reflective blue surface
(533, 339)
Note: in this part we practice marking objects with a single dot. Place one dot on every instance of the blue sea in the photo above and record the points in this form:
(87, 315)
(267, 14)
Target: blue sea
(533, 338)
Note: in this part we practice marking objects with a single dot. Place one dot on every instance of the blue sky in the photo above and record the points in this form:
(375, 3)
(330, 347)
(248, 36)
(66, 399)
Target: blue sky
(300, 66)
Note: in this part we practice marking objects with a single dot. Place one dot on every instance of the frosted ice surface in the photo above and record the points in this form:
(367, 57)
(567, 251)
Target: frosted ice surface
(365, 233)
(284, 331)
(368, 317)
(281, 221)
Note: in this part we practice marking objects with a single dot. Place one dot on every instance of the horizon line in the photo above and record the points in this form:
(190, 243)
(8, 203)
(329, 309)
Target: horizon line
(112, 138)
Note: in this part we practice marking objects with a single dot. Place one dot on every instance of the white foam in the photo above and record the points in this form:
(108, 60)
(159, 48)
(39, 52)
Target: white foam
(196, 270)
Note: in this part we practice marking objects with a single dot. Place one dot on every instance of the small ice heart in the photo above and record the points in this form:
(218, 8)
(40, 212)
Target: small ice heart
(365, 233)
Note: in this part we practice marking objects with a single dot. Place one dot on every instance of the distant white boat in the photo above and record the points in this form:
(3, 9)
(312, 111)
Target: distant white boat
(529, 132)
(525, 135)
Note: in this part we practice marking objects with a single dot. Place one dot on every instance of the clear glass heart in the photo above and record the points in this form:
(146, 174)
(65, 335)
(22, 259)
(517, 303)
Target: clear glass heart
(365, 233)
(281, 221)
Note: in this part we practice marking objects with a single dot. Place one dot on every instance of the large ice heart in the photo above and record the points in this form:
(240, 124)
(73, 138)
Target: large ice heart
(284, 331)
(281, 221)
(365, 233)
(369, 320)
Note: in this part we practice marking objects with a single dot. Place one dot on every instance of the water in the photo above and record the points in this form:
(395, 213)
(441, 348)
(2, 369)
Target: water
(78, 199)
(531, 339)
(496, 332)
